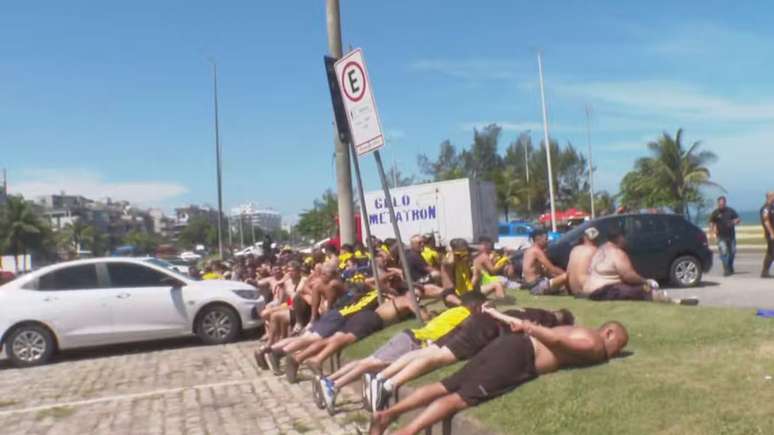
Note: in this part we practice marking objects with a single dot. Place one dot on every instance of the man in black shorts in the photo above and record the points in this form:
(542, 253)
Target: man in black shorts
(356, 327)
(474, 334)
(503, 365)
(333, 320)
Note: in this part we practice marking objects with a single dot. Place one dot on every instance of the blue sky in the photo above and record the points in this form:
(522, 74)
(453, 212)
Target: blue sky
(114, 98)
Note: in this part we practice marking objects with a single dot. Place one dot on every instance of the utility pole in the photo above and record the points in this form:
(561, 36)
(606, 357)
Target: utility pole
(548, 144)
(343, 174)
(591, 166)
(526, 171)
(218, 159)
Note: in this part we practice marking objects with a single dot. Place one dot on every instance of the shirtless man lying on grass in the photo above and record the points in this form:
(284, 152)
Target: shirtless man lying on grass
(509, 361)
(473, 335)
(400, 344)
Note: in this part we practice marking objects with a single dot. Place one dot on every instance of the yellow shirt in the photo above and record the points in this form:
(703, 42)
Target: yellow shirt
(441, 325)
(343, 258)
(212, 275)
(463, 274)
(361, 304)
(431, 256)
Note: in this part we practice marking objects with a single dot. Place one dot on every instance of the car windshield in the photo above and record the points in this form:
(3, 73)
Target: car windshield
(168, 267)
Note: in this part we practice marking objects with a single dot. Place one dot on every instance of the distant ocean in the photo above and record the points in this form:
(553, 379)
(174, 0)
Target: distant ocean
(749, 217)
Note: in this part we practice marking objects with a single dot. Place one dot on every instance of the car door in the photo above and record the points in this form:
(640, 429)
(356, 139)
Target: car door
(149, 304)
(648, 243)
(75, 302)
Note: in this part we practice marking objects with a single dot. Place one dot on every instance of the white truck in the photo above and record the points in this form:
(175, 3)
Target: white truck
(461, 208)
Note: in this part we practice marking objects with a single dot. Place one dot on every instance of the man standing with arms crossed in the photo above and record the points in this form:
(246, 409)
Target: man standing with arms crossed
(767, 219)
(722, 223)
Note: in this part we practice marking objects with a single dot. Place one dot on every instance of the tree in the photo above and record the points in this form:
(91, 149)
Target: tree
(673, 176)
(483, 162)
(319, 222)
(447, 166)
(20, 228)
(79, 235)
(199, 231)
(395, 178)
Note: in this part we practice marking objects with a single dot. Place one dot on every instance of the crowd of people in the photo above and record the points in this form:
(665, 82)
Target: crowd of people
(319, 303)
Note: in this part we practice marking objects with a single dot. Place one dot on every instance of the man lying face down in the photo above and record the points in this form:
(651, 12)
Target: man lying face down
(504, 364)
(473, 335)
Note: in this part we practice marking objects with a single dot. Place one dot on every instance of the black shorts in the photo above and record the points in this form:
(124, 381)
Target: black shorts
(330, 323)
(620, 292)
(363, 323)
(503, 365)
(474, 334)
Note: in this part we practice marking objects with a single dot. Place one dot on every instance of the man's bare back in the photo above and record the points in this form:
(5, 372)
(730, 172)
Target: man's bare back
(549, 360)
(578, 267)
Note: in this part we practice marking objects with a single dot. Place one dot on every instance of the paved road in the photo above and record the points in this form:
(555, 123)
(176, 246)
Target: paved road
(163, 388)
(745, 289)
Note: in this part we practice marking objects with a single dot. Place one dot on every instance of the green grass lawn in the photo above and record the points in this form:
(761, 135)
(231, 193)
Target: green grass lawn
(692, 370)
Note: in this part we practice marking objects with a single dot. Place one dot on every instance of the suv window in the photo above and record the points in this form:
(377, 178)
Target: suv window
(647, 224)
(70, 278)
(134, 275)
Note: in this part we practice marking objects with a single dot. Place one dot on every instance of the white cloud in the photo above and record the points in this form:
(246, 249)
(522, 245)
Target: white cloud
(668, 98)
(37, 182)
(470, 69)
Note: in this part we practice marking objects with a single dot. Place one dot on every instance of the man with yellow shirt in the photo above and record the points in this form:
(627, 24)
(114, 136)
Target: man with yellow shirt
(399, 345)
(457, 273)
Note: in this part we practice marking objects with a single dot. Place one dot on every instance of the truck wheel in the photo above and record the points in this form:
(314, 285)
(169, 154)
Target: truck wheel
(29, 345)
(685, 271)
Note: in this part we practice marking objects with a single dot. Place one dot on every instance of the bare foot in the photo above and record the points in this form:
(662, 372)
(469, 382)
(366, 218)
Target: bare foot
(379, 423)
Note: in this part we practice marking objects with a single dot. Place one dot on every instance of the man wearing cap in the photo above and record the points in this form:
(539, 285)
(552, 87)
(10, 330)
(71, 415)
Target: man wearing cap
(541, 276)
(580, 260)
(767, 220)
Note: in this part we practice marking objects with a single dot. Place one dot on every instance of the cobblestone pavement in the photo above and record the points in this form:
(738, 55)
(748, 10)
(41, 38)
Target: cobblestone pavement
(190, 389)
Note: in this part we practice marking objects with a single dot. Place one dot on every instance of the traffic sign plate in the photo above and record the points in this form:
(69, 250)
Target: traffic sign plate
(359, 104)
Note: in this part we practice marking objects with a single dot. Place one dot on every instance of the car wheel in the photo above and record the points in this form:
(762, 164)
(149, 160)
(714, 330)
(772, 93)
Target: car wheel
(685, 271)
(29, 345)
(218, 324)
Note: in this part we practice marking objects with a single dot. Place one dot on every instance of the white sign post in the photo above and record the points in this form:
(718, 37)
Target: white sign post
(365, 132)
(364, 126)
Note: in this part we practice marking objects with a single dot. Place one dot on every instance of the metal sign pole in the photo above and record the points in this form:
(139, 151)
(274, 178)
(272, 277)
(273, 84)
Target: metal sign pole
(401, 251)
(364, 219)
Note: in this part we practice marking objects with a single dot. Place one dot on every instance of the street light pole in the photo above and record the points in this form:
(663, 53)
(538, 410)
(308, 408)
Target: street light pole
(591, 166)
(343, 174)
(547, 143)
(218, 160)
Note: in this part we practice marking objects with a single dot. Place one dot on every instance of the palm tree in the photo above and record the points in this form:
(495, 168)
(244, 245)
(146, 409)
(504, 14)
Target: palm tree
(77, 235)
(679, 172)
(20, 228)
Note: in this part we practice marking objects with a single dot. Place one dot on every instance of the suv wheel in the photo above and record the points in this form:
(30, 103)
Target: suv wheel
(685, 271)
(218, 324)
(29, 345)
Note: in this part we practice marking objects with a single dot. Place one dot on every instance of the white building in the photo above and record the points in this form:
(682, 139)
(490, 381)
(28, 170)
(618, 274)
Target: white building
(267, 219)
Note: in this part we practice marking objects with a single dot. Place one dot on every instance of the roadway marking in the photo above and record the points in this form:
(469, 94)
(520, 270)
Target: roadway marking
(124, 397)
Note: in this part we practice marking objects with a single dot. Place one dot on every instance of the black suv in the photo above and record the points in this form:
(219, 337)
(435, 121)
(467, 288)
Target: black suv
(665, 247)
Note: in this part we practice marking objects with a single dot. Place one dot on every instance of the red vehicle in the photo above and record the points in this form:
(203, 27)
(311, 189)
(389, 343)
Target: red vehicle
(336, 241)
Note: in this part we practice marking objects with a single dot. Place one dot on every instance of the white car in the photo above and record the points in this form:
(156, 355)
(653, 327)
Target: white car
(190, 256)
(117, 300)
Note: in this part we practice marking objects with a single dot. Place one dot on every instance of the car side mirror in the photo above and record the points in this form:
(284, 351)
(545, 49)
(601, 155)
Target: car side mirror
(174, 282)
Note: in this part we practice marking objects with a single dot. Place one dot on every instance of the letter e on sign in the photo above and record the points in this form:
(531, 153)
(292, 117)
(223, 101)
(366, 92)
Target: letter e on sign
(359, 103)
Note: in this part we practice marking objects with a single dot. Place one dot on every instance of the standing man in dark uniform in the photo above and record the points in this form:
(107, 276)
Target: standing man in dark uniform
(722, 225)
(767, 219)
